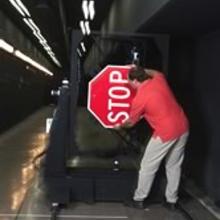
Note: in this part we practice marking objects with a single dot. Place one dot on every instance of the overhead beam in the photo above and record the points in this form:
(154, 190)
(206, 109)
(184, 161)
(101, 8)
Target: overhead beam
(121, 34)
(124, 19)
(64, 26)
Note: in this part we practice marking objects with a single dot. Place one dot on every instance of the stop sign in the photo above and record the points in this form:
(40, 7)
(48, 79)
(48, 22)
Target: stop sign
(110, 95)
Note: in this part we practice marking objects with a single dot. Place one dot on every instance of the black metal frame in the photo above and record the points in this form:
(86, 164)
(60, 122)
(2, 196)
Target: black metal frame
(59, 182)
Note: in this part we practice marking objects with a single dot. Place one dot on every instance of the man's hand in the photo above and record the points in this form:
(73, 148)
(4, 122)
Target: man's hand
(117, 127)
(125, 124)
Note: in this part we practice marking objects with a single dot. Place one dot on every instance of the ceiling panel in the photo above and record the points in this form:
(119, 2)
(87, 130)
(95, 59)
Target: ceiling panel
(46, 15)
(185, 17)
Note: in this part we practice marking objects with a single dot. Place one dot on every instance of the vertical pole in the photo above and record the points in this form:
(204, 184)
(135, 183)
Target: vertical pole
(76, 37)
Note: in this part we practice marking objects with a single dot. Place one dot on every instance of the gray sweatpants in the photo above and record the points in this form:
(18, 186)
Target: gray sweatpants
(156, 151)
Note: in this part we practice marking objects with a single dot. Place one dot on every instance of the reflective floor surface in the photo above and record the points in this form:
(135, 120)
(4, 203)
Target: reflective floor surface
(22, 194)
(18, 148)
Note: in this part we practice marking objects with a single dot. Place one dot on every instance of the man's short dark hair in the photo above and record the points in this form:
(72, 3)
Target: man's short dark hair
(138, 73)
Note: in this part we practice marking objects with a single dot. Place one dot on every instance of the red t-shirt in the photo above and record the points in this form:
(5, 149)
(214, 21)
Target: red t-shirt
(156, 103)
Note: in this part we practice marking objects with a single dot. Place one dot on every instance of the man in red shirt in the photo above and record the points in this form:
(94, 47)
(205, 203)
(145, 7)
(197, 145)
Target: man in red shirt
(156, 103)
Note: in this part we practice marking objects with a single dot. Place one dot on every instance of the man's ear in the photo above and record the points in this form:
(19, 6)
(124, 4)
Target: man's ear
(135, 81)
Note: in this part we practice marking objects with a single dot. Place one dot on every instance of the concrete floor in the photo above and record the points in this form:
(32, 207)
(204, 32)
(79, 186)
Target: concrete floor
(18, 148)
(22, 194)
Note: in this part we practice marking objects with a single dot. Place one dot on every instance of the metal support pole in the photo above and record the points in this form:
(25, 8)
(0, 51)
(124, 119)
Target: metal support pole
(76, 37)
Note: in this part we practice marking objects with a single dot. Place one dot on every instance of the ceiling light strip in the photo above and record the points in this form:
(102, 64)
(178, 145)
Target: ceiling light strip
(10, 49)
(83, 46)
(27, 59)
(79, 53)
(83, 29)
(36, 31)
(55, 60)
(23, 8)
(85, 9)
(17, 7)
(42, 40)
(92, 9)
(87, 27)
(88, 9)
(5, 46)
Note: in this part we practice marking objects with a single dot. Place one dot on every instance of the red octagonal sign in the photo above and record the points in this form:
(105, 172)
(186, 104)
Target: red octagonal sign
(110, 95)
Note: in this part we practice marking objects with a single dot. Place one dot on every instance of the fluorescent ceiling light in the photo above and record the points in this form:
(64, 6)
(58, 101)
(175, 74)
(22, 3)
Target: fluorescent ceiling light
(20, 7)
(51, 53)
(22, 56)
(85, 9)
(23, 7)
(79, 53)
(42, 40)
(92, 9)
(46, 47)
(10, 49)
(83, 47)
(88, 9)
(81, 24)
(35, 27)
(88, 31)
(5, 46)
(27, 59)
(56, 61)
(17, 7)
(28, 24)
(36, 30)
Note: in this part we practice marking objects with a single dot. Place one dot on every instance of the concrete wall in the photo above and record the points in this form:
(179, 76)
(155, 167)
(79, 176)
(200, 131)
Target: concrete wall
(23, 89)
(125, 17)
(129, 15)
(13, 35)
(194, 75)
